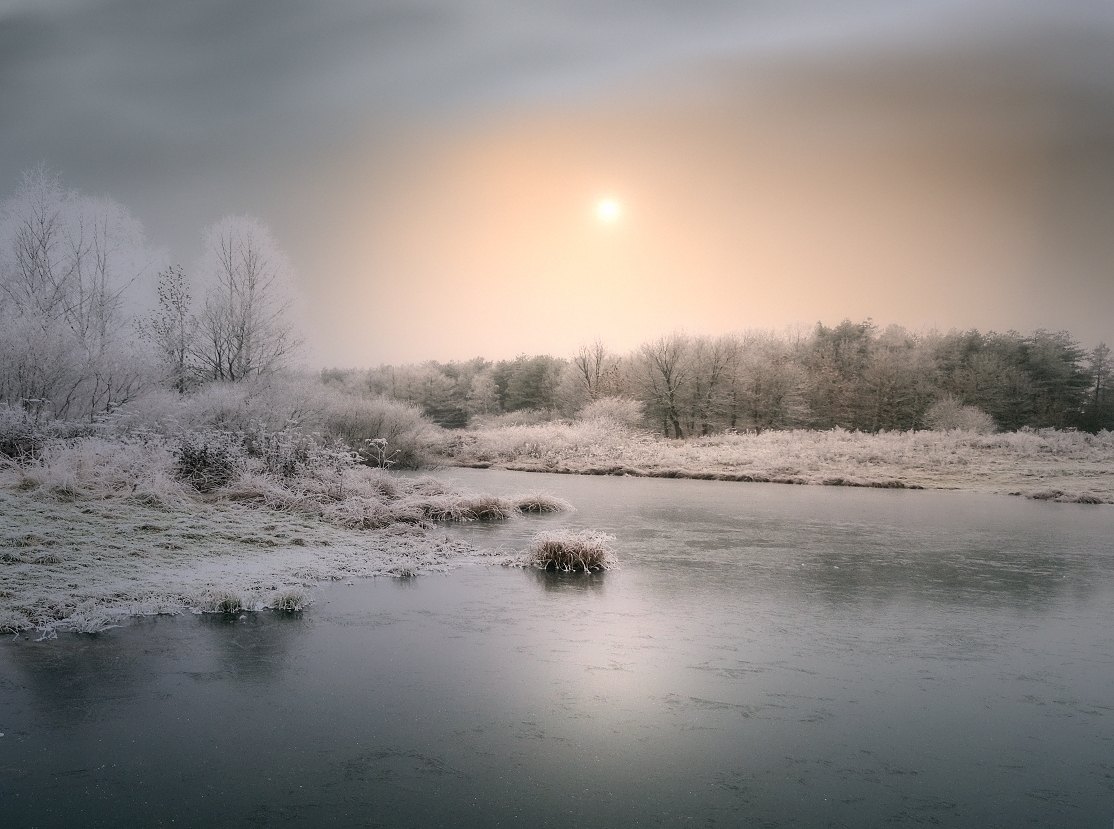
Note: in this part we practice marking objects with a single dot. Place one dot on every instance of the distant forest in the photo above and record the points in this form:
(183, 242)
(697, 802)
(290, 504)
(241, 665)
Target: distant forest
(852, 375)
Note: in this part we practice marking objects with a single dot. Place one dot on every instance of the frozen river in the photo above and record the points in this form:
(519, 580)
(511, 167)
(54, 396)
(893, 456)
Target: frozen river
(767, 656)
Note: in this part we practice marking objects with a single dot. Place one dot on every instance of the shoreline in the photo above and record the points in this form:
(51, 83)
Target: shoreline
(688, 474)
(1064, 467)
(84, 565)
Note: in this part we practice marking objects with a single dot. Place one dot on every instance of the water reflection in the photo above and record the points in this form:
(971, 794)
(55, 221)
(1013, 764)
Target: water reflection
(554, 582)
(68, 678)
(253, 647)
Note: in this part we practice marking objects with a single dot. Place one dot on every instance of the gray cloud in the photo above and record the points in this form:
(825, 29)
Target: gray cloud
(118, 81)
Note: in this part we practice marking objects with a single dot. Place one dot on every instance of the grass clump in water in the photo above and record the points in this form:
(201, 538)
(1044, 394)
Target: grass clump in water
(572, 552)
(226, 602)
(291, 601)
(486, 508)
(541, 502)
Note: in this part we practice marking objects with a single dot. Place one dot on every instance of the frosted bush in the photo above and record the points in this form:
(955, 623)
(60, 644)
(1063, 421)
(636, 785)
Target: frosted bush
(281, 405)
(619, 410)
(208, 460)
(949, 413)
(521, 417)
(100, 468)
(22, 434)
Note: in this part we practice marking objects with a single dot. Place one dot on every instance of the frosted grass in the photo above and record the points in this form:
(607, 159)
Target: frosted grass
(1045, 464)
(568, 551)
(95, 530)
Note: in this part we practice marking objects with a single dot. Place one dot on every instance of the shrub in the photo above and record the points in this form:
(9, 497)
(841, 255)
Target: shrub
(22, 435)
(619, 410)
(208, 460)
(95, 467)
(949, 413)
(384, 432)
(571, 552)
(291, 452)
(520, 417)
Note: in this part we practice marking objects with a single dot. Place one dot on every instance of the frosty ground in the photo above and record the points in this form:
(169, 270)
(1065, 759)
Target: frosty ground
(82, 565)
(99, 529)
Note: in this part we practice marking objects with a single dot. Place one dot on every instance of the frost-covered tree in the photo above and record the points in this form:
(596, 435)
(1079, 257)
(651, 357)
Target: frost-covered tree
(172, 330)
(665, 365)
(528, 383)
(66, 261)
(246, 323)
(765, 391)
(597, 370)
(714, 364)
(1099, 410)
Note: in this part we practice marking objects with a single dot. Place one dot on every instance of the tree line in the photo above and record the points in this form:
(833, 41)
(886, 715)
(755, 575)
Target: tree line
(851, 375)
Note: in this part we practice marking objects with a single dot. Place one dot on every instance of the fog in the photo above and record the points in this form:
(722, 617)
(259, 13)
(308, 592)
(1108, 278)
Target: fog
(432, 169)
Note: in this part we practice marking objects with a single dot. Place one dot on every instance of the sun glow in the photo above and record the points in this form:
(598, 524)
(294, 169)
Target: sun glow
(608, 210)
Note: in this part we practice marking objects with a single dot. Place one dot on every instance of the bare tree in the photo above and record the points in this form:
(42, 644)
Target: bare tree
(246, 327)
(597, 369)
(714, 362)
(665, 370)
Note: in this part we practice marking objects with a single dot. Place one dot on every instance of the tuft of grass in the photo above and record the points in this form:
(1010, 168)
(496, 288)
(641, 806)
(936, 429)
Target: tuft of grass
(1088, 498)
(291, 601)
(227, 602)
(486, 508)
(571, 552)
(537, 501)
(465, 507)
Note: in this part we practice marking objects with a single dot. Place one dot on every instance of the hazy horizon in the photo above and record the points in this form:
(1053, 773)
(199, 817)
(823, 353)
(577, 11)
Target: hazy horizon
(434, 171)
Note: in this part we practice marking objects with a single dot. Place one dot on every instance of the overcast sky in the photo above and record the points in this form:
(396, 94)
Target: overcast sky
(433, 168)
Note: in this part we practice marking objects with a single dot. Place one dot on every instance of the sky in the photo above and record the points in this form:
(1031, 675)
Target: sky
(435, 170)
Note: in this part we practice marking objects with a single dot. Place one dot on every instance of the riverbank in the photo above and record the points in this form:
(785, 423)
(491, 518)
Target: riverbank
(98, 529)
(1044, 465)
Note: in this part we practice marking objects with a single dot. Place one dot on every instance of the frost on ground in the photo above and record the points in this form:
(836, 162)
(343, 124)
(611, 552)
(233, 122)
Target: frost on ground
(1044, 464)
(95, 530)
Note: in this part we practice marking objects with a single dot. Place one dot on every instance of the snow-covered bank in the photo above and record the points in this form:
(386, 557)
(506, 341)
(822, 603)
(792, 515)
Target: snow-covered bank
(81, 565)
(1043, 464)
(96, 529)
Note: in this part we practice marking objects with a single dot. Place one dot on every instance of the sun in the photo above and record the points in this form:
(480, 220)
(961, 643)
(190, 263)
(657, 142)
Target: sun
(608, 210)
